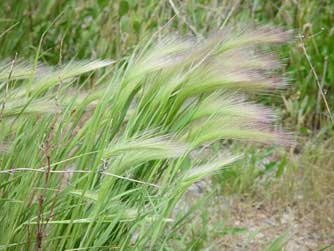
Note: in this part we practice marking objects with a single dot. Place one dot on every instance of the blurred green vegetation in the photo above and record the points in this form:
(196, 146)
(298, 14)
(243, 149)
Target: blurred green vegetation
(112, 29)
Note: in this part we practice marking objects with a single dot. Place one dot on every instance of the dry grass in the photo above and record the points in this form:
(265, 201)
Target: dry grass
(298, 206)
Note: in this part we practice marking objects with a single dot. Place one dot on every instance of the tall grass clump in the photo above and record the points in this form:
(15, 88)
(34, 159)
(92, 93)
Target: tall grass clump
(102, 168)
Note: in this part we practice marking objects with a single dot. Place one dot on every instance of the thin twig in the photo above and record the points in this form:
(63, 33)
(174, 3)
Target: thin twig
(177, 13)
(47, 151)
(42, 170)
(317, 80)
(317, 109)
(57, 117)
(42, 197)
(3, 105)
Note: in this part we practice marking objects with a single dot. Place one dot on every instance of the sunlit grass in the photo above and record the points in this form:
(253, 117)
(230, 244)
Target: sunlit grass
(117, 169)
(123, 140)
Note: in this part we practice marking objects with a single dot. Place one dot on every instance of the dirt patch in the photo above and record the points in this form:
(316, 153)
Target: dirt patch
(253, 224)
(299, 231)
